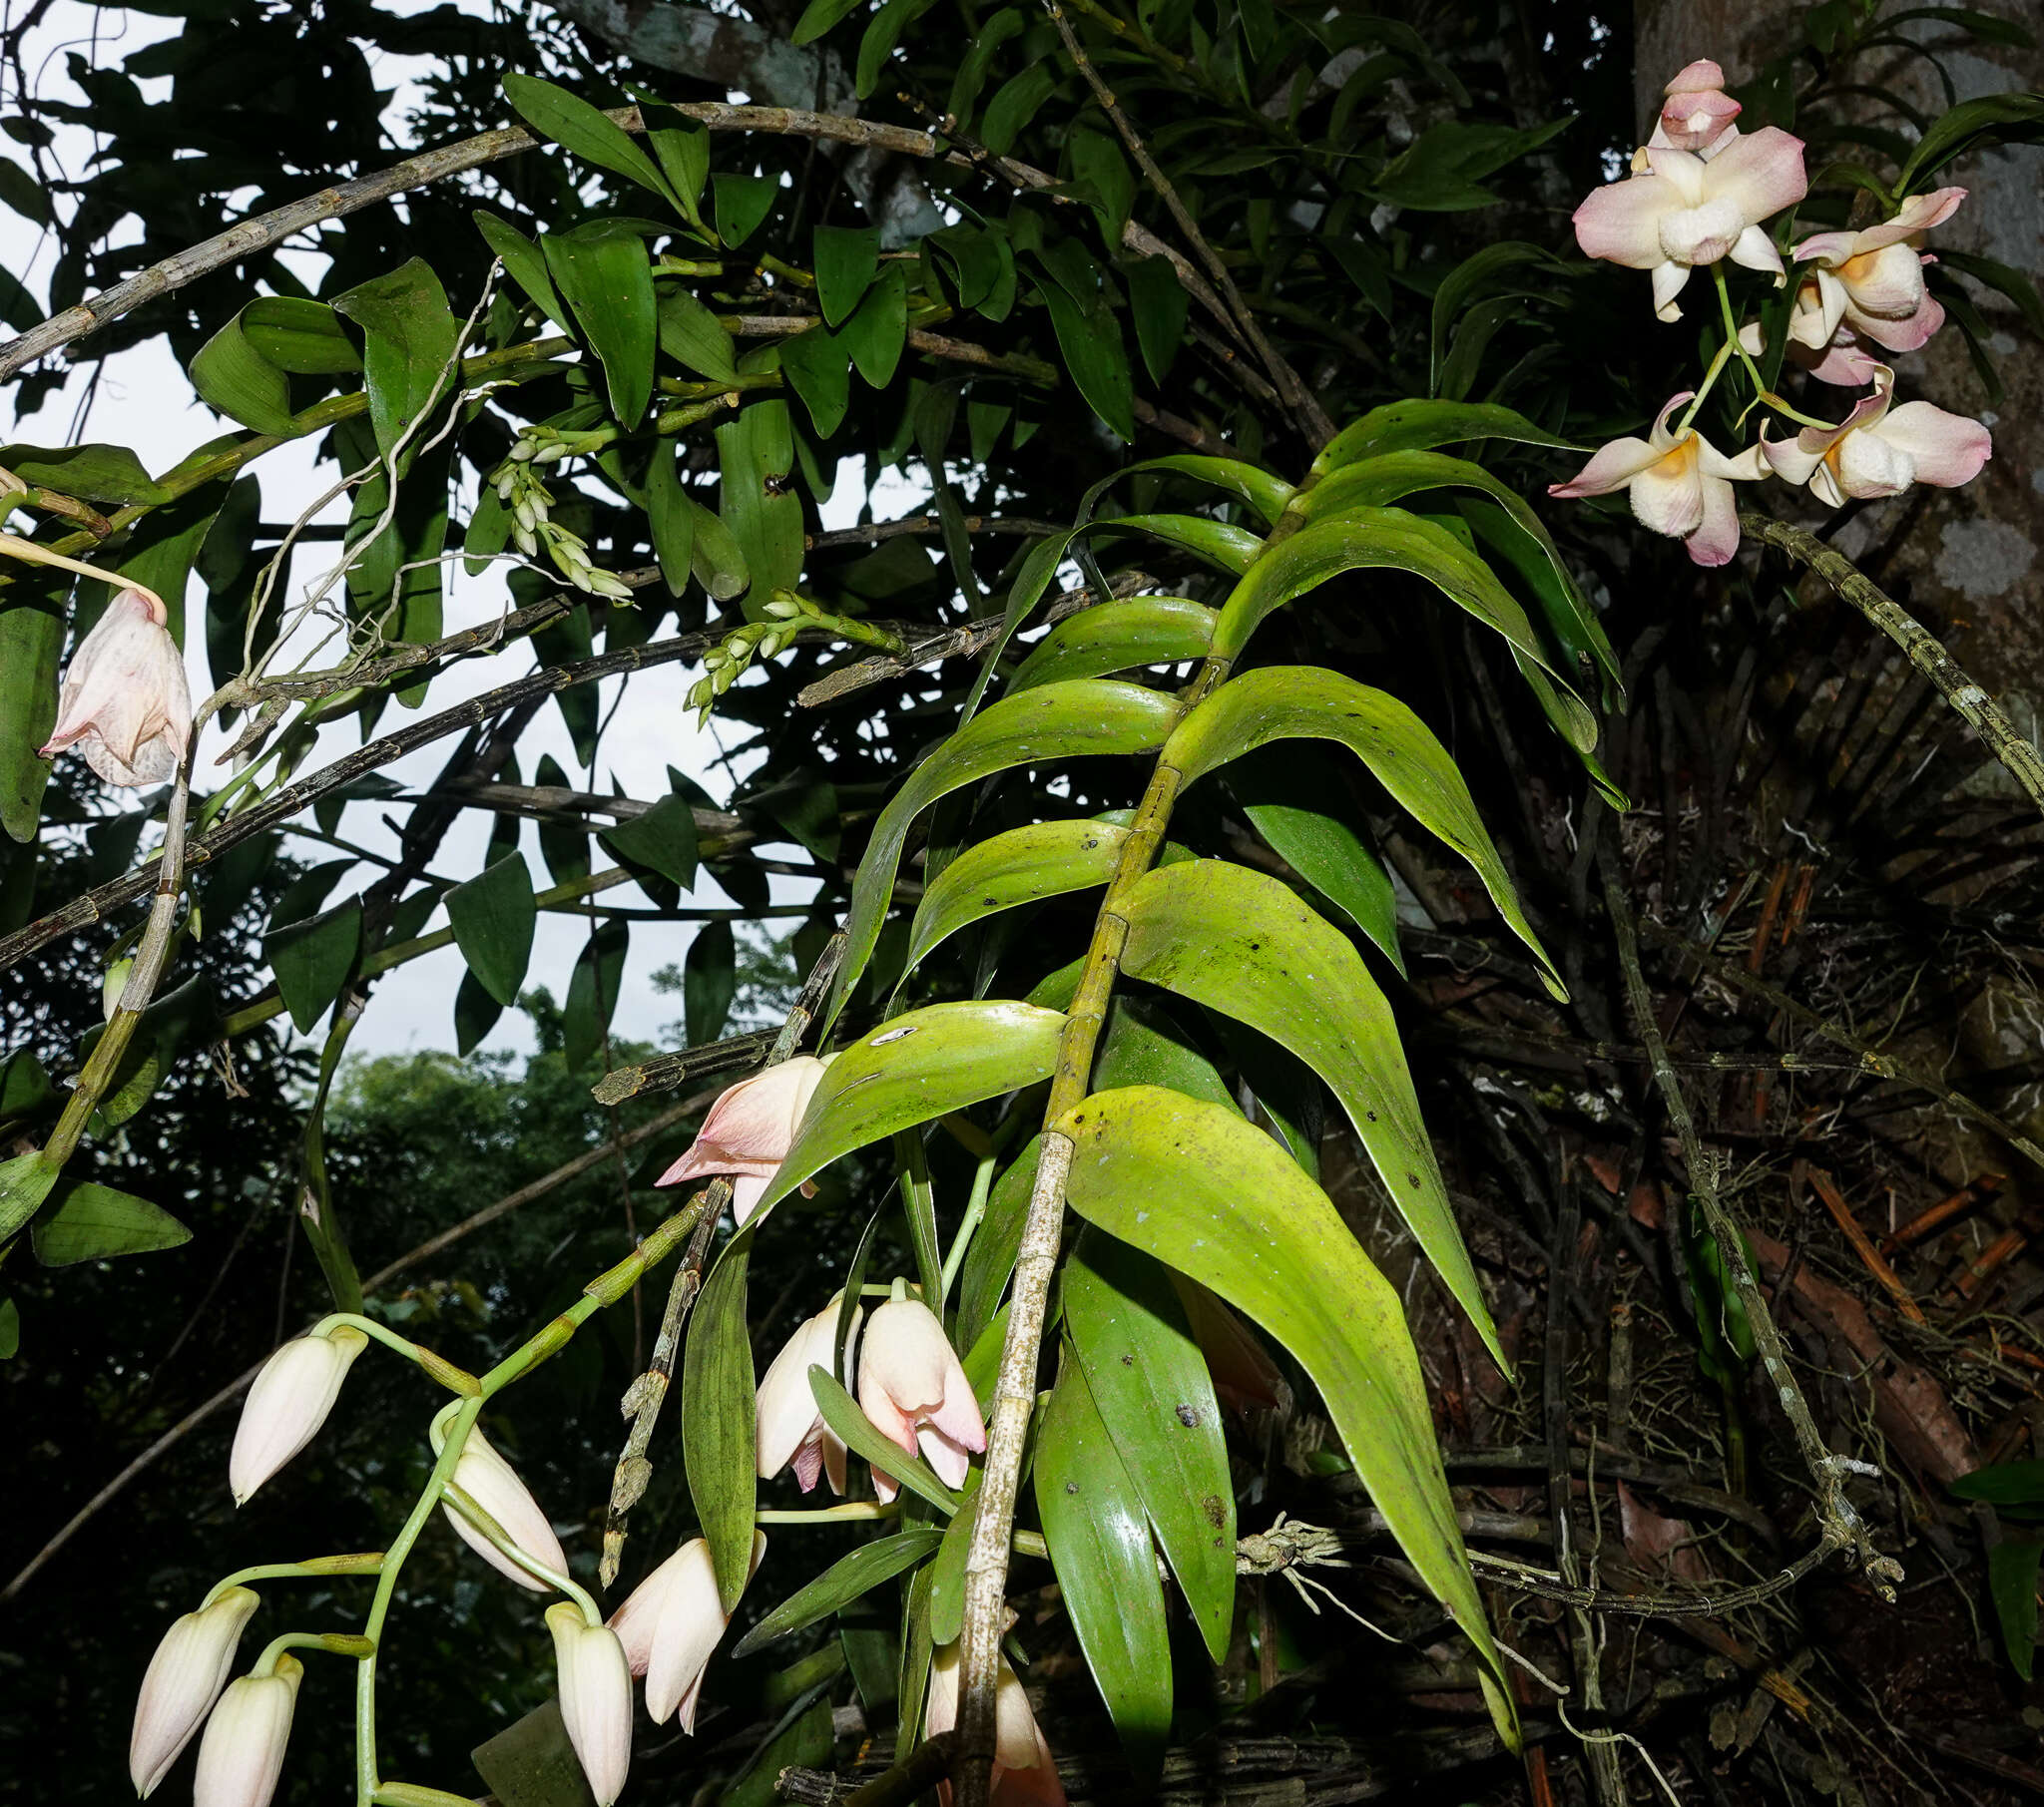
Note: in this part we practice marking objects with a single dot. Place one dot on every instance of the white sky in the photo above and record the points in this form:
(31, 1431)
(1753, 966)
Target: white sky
(143, 401)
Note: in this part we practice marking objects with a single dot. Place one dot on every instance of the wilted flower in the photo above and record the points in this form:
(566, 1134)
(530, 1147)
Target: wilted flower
(242, 1754)
(913, 1388)
(288, 1404)
(1025, 1774)
(670, 1625)
(1872, 281)
(1878, 452)
(493, 1483)
(595, 1698)
(749, 1130)
(1679, 484)
(1686, 214)
(1697, 112)
(790, 1429)
(185, 1678)
(126, 701)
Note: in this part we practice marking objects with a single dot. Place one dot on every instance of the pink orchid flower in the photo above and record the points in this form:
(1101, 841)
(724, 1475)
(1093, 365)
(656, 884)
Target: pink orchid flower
(749, 1130)
(1686, 214)
(913, 1388)
(1679, 484)
(790, 1428)
(1878, 451)
(1025, 1772)
(1696, 114)
(1873, 281)
(1844, 362)
(126, 703)
(671, 1627)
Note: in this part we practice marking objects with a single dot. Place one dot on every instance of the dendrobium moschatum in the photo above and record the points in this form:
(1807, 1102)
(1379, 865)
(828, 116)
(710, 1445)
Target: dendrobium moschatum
(288, 1403)
(1025, 1774)
(125, 703)
(185, 1678)
(1678, 482)
(1878, 450)
(1872, 281)
(749, 1130)
(913, 1388)
(1685, 214)
(669, 1626)
(790, 1428)
(242, 1754)
(595, 1698)
(1695, 113)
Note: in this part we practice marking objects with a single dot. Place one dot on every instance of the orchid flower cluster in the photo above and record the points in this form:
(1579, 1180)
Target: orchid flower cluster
(911, 1385)
(1700, 193)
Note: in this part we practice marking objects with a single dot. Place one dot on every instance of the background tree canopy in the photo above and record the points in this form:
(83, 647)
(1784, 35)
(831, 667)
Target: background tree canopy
(774, 402)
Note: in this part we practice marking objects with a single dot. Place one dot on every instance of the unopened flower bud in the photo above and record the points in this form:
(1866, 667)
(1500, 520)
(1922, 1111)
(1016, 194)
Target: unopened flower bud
(289, 1403)
(784, 606)
(550, 454)
(523, 450)
(524, 541)
(242, 1754)
(699, 695)
(716, 659)
(521, 512)
(493, 1483)
(604, 583)
(595, 1698)
(723, 679)
(185, 1678)
(506, 483)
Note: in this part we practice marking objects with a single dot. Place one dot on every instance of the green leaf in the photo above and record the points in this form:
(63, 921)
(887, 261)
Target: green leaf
(1154, 1393)
(1195, 1185)
(1994, 118)
(690, 336)
(1015, 104)
(878, 328)
(1226, 547)
(492, 916)
(662, 839)
(2012, 1587)
(1415, 425)
(1243, 943)
(2004, 1484)
(1052, 721)
(525, 262)
(593, 991)
(31, 644)
(882, 34)
(682, 145)
(95, 473)
(412, 337)
(990, 1256)
(237, 381)
(1323, 839)
(818, 369)
(1462, 284)
(26, 196)
(1159, 303)
(532, 1763)
(847, 258)
(755, 454)
(475, 1014)
(667, 517)
(10, 1329)
(855, 1430)
(718, 1428)
(742, 203)
(1117, 637)
(606, 278)
(709, 982)
(947, 1572)
(1024, 865)
(1267, 494)
(1282, 702)
(1099, 1537)
(1090, 341)
(313, 960)
(916, 1664)
(715, 556)
(819, 17)
(913, 1069)
(848, 1579)
(570, 121)
(1376, 537)
(88, 1222)
(300, 337)
(25, 1181)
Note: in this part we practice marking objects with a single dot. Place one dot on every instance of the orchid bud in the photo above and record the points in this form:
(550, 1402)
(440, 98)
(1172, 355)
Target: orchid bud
(185, 1678)
(784, 606)
(670, 1625)
(551, 454)
(788, 1428)
(506, 483)
(913, 1388)
(289, 1403)
(126, 703)
(524, 541)
(604, 583)
(493, 1483)
(242, 1754)
(752, 1126)
(595, 1698)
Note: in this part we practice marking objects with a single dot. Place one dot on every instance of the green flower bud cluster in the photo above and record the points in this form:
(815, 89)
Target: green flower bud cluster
(726, 662)
(520, 486)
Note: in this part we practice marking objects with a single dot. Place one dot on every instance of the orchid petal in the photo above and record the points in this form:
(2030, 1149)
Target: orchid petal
(1947, 449)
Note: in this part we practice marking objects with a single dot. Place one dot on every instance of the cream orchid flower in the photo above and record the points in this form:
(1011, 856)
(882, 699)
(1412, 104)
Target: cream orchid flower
(1872, 281)
(1880, 451)
(1679, 484)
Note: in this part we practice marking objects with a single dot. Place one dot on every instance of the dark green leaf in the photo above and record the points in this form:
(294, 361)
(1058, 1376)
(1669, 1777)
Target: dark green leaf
(593, 991)
(1404, 426)
(855, 1430)
(709, 982)
(819, 17)
(990, 1258)
(235, 378)
(715, 556)
(947, 1572)
(742, 203)
(672, 525)
(2004, 1484)
(2012, 1586)
(1090, 340)
(755, 454)
(690, 336)
(878, 328)
(718, 1428)
(569, 120)
(300, 337)
(847, 258)
(31, 644)
(818, 369)
(313, 960)
(96, 473)
(2003, 118)
(10, 1329)
(662, 841)
(682, 145)
(1159, 302)
(25, 1181)
(606, 278)
(475, 1014)
(26, 196)
(1150, 1386)
(412, 337)
(848, 1579)
(88, 1222)
(1226, 547)
(1099, 1537)
(525, 262)
(1014, 105)
(492, 916)
(1097, 161)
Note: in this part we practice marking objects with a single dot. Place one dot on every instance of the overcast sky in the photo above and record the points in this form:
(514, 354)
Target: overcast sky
(143, 401)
